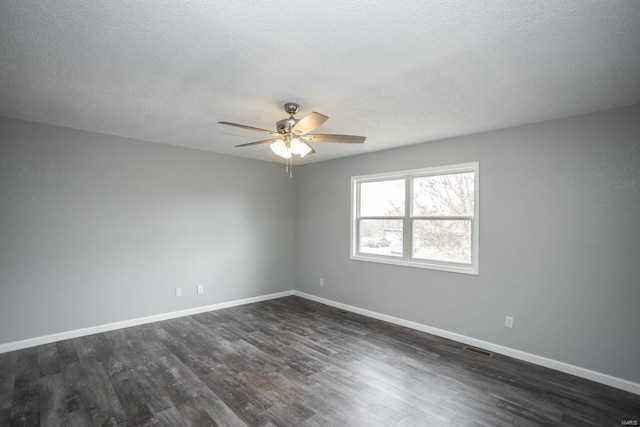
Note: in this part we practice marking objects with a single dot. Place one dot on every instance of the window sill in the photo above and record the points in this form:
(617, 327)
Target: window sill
(450, 267)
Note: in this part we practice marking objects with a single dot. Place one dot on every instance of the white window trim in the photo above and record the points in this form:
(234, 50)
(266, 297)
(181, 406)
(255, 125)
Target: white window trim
(471, 268)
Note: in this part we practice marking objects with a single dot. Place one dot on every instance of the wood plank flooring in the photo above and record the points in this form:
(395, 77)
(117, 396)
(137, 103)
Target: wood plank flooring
(289, 362)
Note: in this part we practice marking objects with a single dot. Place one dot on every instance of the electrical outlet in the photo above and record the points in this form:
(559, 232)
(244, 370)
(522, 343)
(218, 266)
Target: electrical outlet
(508, 322)
(200, 289)
(321, 282)
(178, 292)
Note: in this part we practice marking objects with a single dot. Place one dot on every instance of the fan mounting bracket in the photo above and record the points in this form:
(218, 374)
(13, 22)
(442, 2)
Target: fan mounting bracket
(291, 108)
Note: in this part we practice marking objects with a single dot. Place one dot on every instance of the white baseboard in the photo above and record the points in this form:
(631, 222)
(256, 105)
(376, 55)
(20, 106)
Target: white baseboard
(31, 342)
(588, 374)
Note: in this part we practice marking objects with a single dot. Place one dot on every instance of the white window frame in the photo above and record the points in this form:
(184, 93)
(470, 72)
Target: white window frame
(408, 218)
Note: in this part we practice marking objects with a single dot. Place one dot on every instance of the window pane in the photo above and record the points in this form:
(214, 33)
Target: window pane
(381, 237)
(382, 198)
(443, 195)
(442, 240)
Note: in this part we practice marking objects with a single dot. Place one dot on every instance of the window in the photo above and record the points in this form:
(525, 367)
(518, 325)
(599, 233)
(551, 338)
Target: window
(425, 218)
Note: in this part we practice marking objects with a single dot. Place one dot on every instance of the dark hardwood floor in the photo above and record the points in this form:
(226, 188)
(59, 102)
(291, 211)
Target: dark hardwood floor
(289, 362)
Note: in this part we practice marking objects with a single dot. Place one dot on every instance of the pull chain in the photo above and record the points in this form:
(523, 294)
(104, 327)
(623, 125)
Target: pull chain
(288, 166)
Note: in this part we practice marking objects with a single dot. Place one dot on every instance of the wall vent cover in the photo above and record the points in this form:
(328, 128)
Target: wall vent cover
(477, 350)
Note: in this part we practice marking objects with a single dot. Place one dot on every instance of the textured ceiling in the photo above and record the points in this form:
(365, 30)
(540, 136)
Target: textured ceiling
(399, 73)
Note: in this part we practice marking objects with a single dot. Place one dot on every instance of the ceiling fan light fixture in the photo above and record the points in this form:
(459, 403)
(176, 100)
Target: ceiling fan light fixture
(281, 149)
(305, 150)
(302, 148)
(298, 147)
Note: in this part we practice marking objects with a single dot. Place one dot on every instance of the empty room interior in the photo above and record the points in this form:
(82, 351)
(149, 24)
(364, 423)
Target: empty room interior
(320, 213)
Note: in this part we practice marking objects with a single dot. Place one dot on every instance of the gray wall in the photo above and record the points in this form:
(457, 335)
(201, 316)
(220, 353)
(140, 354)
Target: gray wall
(97, 229)
(559, 241)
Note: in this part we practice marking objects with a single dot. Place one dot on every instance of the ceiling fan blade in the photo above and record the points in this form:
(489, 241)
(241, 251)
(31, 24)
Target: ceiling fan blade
(348, 139)
(264, 141)
(250, 128)
(308, 123)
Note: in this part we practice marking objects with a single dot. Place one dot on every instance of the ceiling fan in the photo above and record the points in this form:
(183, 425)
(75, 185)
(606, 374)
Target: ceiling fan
(293, 136)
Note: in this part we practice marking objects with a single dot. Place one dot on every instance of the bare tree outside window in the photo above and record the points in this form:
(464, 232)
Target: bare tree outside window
(443, 195)
(444, 203)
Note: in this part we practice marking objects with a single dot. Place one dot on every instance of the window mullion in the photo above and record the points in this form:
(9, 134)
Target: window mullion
(444, 217)
(406, 224)
(382, 217)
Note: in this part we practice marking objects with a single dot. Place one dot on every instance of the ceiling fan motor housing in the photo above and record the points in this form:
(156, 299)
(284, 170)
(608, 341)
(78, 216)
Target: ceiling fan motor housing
(285, 125)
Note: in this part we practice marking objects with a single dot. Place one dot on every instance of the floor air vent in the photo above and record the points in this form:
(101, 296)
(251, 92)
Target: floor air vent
(477, 350)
